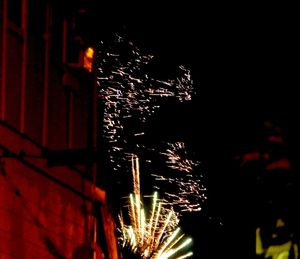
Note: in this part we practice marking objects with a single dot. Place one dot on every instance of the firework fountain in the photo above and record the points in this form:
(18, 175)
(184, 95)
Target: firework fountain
(152, 233)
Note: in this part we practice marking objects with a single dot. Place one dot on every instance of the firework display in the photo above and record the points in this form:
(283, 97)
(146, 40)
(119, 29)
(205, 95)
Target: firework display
(131, 95)
(154, 234)
(186, 191)
(176, 161)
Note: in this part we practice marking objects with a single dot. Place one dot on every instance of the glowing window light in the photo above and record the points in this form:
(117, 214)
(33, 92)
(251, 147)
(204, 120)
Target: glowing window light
(88, 59)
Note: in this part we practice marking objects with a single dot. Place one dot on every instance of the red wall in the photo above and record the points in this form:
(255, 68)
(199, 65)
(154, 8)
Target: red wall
(38, 218)
(41, 208)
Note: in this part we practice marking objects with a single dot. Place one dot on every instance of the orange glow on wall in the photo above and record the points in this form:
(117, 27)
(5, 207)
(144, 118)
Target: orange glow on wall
(88, 59)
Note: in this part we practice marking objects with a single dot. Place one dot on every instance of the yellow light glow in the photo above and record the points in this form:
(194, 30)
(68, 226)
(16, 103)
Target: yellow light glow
(88, 59)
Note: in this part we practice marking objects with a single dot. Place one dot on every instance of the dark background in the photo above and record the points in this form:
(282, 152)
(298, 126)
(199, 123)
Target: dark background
(243, 62)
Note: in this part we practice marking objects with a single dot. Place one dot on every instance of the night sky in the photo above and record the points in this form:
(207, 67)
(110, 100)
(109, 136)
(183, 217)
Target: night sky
(243, 62)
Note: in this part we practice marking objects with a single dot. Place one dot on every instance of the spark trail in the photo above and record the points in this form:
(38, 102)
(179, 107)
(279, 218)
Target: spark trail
(130, 96)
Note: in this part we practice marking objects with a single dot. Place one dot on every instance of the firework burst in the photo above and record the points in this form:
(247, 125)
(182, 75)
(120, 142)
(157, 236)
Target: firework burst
(176, 155)
(152, 233)
(130, 94)
(183, 185)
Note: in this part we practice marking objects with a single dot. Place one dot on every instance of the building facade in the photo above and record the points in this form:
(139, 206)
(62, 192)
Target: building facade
(48, 136)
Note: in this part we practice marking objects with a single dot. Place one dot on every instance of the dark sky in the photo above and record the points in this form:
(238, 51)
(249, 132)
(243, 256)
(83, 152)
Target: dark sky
(234, 51)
